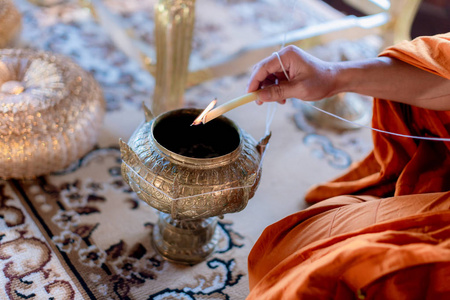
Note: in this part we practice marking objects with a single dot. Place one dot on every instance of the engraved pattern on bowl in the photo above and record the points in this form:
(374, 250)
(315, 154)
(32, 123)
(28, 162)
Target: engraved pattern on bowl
(190, 188)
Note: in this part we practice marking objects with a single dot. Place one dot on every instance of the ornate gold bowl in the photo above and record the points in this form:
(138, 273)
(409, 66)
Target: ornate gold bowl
(51, 111)
(191, 175)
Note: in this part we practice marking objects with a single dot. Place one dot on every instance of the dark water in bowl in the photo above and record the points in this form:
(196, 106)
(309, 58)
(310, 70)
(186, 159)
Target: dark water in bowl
(213, 139)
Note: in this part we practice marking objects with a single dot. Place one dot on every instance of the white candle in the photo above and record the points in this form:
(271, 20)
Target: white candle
(232, 104)
(199, 119)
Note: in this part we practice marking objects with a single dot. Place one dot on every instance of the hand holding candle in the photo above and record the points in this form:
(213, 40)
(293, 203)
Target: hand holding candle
(209, 114)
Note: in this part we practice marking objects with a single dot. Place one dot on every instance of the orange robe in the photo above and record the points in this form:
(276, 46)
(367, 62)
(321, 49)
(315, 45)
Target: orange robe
(397, 165)
(389, 236)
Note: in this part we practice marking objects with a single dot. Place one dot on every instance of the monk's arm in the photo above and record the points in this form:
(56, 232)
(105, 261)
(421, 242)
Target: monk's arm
(389, 78)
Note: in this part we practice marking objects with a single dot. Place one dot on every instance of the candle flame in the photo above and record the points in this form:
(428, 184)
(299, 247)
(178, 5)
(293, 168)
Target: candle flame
(201, 117)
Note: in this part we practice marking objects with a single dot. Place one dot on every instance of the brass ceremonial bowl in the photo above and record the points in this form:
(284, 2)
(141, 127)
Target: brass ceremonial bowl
(191, 175)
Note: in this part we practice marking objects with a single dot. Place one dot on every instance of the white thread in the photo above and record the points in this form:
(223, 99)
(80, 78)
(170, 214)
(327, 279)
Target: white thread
(361, 125)
(379, 130)
(282, 66)
(271, 110)
(272, 107)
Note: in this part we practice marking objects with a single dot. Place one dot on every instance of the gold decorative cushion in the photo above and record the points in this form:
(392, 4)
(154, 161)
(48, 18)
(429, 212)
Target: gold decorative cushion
(51, 111)
(10, 23)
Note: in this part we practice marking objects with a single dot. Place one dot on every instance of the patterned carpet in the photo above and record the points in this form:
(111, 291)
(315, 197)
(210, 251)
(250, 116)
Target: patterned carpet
(70, 230)
(81, 233)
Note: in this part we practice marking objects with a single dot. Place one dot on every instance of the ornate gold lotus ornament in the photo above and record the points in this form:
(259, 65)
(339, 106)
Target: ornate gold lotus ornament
(10, 23)
(51, 111)
(191, 174)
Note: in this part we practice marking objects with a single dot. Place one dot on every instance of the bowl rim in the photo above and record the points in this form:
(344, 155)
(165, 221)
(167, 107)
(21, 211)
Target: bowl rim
(205, 162)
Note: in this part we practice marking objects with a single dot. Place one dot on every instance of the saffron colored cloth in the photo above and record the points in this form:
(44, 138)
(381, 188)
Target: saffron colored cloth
(350, 247)
(382, 230)
(399, 165)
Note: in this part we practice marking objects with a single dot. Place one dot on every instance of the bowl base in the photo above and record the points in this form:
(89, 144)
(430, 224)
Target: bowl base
(185, 241)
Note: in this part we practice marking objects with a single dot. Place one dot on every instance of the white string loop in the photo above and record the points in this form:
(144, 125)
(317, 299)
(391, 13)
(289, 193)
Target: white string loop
(282, 66)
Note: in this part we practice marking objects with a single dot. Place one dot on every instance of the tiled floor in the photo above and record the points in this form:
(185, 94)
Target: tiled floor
(433, 16)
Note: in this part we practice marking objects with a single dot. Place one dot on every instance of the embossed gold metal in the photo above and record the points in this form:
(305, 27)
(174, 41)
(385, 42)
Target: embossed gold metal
(190, 192)
(174, 25)
(51, 111)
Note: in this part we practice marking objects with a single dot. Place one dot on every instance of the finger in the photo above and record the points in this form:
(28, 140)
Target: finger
(278, 92)
(272, 77)
(259, 102)
(280, 76)
(271, 93)
(262, 70)
(267, 82)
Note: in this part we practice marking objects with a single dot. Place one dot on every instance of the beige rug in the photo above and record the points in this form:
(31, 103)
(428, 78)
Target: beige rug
(83, 234)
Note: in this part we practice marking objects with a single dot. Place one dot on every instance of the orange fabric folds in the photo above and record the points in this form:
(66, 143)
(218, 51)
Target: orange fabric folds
(382, 230)
(349, 247)
(398, 165)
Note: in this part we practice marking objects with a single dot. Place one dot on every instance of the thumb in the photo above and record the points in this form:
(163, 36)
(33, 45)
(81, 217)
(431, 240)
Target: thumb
(272, 93)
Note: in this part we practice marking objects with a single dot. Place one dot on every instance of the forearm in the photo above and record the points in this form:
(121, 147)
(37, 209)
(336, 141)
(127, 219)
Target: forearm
(391, 79)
